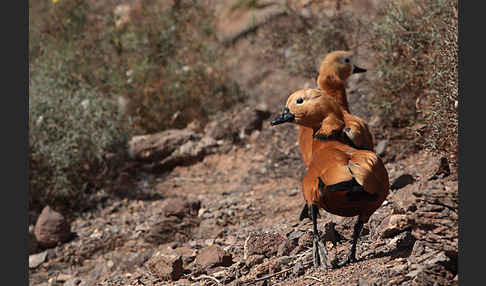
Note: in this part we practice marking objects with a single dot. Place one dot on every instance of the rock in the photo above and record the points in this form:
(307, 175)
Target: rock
(436, 219)
(166, 265)
(298, 269)
(37, 259)
(262, 243)
(209, 228)
(234, 20)
(404, 201)
(188, 254)
(72, 282)
(306, 240)
(374, 121)
(170, 148)
(394, 224)
(63, 277)
(33, 244)
(381, 147)
(171, 229)
(126, 261)
(213, 256)
(274, 266)
(253, 260)
(240, 123)
(286, 247)
(195, 126)
(442, 170)
(402, 244)
(295, 235)
(181, 207)
(249, 119)
(402, 181)
(218, 129)
(51, 228)
(399, 269)
(363, 282)
(433, 271)
(331, 234)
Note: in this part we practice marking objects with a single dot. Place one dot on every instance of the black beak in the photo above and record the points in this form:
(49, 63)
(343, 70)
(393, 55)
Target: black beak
(286, 116)
(358, 69)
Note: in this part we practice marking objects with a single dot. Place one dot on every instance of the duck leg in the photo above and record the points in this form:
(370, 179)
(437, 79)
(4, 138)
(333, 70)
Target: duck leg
(305, 213)
(351, 257)
(318, 247)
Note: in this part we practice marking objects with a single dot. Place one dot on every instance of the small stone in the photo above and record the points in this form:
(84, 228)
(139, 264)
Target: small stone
(381, 147)
(73, 282)
(110, 264)
(253, 260)
(63, 277)
(298, 269)
(286, 247)
(188, 254)
(181, 207)
(402, 181)
(363, 282)
(295, 235)
(442, 170)
(37, 259)
(394, 224)
(263, 243)
(331, 234)
(306, 240)
(167, 266)
(213, 256)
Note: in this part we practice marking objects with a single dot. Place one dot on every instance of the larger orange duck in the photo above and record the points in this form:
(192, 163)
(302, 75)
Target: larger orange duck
(340, 179)
(334, 70)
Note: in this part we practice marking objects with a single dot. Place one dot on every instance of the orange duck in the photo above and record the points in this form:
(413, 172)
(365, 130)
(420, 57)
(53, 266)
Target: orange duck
(335, 69)
(340, 179)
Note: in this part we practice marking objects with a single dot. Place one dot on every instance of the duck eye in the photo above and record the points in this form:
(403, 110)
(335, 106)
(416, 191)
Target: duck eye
(346, 60)
(300, 100)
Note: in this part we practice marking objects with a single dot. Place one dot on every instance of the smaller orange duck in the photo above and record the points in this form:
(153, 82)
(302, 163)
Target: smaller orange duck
(334, 70)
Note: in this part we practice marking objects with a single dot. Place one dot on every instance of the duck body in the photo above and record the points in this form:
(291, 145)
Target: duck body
(340, 179)
(331, 184)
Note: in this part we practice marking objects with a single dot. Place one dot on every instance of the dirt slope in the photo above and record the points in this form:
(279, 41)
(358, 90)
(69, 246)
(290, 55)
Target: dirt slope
(246, 199)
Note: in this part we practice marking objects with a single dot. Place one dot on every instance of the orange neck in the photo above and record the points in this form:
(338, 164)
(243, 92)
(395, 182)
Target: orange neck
(339, 93)
(335, 88)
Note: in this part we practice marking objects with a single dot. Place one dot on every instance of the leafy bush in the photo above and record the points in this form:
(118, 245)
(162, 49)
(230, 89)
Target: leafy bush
(71, 128)
(416, 49)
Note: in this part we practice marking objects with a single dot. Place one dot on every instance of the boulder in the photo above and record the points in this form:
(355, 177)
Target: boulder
(51, 228)
(170, 148)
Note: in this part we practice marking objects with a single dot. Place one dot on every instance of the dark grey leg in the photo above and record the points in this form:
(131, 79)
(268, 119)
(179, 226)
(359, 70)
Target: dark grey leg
(351, 257)
(319, 248)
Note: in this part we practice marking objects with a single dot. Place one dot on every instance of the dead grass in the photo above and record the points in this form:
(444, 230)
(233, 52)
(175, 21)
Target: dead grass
(416, 88)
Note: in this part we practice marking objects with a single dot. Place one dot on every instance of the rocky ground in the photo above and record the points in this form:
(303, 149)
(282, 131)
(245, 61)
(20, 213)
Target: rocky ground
(219, 205)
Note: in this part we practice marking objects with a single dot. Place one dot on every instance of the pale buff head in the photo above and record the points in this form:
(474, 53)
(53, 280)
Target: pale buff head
(312, 108)
(336, 68)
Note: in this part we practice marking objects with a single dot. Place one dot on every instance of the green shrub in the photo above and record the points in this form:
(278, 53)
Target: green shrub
(416, 52)
(71, 129)
(164, 60)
